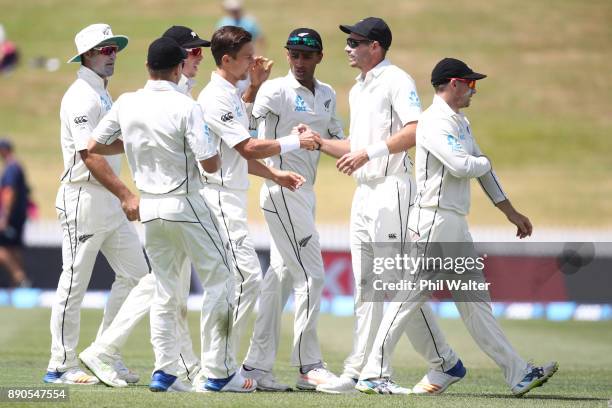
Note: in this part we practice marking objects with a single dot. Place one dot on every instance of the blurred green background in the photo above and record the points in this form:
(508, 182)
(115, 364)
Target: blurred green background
(544, 114)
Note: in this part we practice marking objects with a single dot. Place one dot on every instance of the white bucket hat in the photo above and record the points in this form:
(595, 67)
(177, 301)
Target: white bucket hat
(94, 35)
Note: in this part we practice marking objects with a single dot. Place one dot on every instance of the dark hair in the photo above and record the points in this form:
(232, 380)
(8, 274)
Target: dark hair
(228, 40)
(162, 74)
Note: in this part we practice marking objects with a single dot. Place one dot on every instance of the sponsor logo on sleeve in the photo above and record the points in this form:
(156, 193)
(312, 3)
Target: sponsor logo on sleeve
(80, 120)
(226, 117)
(453, 143)
(414, 100)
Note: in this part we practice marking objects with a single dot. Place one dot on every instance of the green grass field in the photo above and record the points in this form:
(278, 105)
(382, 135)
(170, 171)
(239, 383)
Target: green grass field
(583, 350)
(543, 115)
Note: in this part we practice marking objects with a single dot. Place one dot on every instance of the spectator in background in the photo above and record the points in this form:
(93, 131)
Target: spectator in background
(14, 193)
(9, 56)
(236, 17)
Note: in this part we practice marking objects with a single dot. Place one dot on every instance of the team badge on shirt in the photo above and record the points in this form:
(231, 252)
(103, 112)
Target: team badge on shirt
(326, 104)
(300, 104)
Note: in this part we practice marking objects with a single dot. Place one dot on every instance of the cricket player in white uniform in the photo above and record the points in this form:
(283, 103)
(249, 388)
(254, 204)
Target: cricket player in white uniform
(227, 117)
(164, 135)
(296, 264)
(385, 108)
(98, 357)
(89, 205)
(447, 158)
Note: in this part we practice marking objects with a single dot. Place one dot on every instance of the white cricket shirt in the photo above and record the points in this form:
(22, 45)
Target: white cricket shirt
(163, 133)
(226, 116)
(283, 103)
(447, 157)
(381, 104)
(83, 106)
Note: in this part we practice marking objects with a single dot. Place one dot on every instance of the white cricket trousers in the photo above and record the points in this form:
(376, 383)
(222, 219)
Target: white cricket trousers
(230, 210)
(295, 265)
(136, 306)
(379, 214)
(178, 228)
(92, 221)
(437, 225)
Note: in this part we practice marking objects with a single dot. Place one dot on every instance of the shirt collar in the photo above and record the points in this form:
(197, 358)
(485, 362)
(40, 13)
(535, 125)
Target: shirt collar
(92, 78)
(160, 85)
(224, 83)
(296, 84)
(186, 84)
(444, 108)
(374, 72)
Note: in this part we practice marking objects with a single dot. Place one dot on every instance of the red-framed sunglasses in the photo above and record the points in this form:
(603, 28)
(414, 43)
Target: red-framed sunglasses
(471, 83)
(107, 49)
(196, 52)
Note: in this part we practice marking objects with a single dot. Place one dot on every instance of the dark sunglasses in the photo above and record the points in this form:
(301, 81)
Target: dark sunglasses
(307, 41)
(107, 50)
(196, 52)
(353, 43)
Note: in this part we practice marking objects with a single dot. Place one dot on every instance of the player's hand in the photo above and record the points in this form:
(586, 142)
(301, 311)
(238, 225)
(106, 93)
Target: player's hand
(260, 71)
(288, 179)
(352, 161)
(523, 225)
(131, 207)
(307, 140)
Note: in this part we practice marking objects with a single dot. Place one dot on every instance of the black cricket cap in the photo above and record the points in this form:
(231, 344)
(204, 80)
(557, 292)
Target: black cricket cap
(372, 28)
(452, 68)
(186, 37)
(165, 53)
(304, 39)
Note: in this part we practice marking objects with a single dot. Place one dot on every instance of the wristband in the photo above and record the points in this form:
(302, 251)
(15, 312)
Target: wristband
(376, 150)
(289, 143)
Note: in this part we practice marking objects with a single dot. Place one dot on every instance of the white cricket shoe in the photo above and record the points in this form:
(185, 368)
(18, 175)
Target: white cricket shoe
(381, 386)
(268, 382)
(313, 378)
(535, 377)
(234, 383)
(74, 376)
(125, 373)
(339, 385)
(102, 367)
(436, 382)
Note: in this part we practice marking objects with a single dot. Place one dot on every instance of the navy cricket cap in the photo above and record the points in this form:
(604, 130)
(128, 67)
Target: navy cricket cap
(186, 37)
(304, 39)
(372, 28)
(452, 68)
(165, 53)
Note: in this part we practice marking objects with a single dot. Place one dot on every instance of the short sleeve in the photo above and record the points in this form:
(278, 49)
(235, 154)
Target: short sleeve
(199, 138)
(81, 116)
(109, 129)
(267, 100)
(220, 117)
(334, 127)
(405, 99)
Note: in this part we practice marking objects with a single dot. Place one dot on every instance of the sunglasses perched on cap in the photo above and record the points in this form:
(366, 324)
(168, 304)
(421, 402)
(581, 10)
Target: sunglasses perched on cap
(196, 52)
(107, 49)
(354, 43)
(471, 83)
(307, 41)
